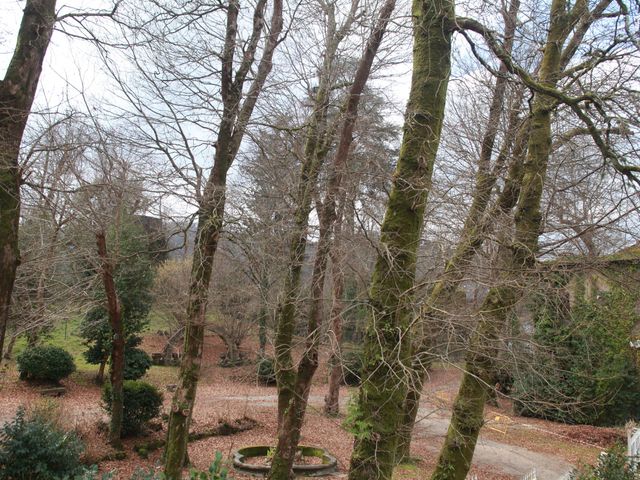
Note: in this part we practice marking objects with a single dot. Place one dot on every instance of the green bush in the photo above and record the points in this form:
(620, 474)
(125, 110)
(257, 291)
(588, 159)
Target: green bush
(142, 402)
(582, 369)
(612, 465)
(267, 371)
(46, 363)
(352, 368)
(136, 363)
(33, 448)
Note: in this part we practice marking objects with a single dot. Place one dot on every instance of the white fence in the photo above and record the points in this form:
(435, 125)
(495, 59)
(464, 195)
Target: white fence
(633, 444)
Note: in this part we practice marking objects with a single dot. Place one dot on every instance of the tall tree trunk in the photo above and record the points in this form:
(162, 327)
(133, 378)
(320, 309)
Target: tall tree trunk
(386, 344)
(17, 91)
(291, 415)
(315, 151)
(471, 238)
(443, 292)
(518, 259)
(285, 315)
(263, 316)
(235, 117)
(206, 243)
(336, 374)
(117, 342)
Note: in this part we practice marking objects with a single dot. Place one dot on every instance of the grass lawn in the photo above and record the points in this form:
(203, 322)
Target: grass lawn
(66, 335)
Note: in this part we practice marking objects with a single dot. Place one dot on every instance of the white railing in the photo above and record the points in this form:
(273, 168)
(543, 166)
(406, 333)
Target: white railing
(633, 443)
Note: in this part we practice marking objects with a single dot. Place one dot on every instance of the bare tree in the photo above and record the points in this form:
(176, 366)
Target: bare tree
(387, 352)
(293, 391)
(17, 92)
(242, 76)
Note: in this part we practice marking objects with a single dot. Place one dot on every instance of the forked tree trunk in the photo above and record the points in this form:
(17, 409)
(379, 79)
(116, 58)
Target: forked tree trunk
(387, 343)
(291, 414)
(444, 289)
(517, 259)
(235, 117)
(471, 239)
(117, 342)
(17, 91)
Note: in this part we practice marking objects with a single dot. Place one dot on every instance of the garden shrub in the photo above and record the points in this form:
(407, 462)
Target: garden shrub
(267, 371)
(35, 448)
(136, 363)
(612, 465)
(582, 369)
(142, 402)
(45, 362)
(352, 368)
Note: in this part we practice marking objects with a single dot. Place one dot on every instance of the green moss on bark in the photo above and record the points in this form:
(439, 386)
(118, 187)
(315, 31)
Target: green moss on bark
(387, 347)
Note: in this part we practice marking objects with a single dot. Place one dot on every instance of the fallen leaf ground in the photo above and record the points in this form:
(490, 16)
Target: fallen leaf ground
(234, 393)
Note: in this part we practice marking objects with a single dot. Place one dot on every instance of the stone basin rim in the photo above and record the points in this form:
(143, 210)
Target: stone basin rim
(328, 466)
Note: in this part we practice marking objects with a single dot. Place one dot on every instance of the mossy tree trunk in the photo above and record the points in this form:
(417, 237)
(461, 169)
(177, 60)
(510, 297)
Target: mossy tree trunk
(291, 414)
(17, 91)
(235, 117)
(387, 343)
(117, 341)
(471, 239)
(444, 289)
(319, 138)
(517, 260)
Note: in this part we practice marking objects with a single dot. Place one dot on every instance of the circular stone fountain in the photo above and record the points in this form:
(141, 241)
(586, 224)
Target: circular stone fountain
(241, 461)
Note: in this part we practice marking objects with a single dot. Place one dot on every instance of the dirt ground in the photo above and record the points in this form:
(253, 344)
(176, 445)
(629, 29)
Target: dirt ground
(507, 448)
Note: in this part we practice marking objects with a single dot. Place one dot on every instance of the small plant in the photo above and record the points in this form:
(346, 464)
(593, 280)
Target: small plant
(353, 423)
(33, 447)
(612, 465)
(267, 371)
(270, 454)
(217, 471)
(142, 402)
(136, 363)
(45, 363)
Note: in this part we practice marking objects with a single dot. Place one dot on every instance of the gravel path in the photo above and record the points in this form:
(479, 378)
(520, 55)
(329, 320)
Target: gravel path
(509, 459)
(432, 428)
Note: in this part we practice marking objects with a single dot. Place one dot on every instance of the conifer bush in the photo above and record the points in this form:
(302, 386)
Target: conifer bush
(142, 403)
(35, 448)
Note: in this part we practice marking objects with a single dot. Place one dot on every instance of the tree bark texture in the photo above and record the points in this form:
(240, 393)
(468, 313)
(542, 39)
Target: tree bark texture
(117, 342)
(518, 259)
(386, 343)
(291, 414)
(235, 117)
(471, 239)
(336, 374)
(17, 91)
